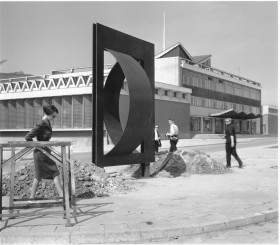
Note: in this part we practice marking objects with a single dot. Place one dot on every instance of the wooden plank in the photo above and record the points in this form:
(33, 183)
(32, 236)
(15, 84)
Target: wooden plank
(57, 153)
(12, 180)
(73, 189)
(35, 205)
(32, 213)
(50, 156)
(37, 199)
(18, 155)
(35, 143)
(68, 180)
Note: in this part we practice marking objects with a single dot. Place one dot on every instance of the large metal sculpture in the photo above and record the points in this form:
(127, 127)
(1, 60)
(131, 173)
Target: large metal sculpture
(135, 63)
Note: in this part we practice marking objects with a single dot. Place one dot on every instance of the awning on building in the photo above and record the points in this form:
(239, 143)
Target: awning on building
(235, 115)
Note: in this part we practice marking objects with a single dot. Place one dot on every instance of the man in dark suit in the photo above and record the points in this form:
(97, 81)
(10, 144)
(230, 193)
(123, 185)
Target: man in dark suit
(231, 143)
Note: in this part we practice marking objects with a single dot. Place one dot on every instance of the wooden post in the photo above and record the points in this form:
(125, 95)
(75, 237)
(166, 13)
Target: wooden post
(60, 160)
(69, 176)
(73, 190)
(12, 180)
(65, 186)
(1, 160)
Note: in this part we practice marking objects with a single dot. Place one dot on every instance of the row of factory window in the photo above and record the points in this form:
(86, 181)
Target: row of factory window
(216, 125)
(74, 112)
(274, 111)
(202, 81)
(217, 104)
(174, 94)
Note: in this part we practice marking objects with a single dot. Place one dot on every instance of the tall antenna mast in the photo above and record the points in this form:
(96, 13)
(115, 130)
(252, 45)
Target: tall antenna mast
(163, 30)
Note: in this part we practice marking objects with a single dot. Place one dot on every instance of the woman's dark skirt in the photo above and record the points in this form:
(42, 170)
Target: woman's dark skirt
(45, 168)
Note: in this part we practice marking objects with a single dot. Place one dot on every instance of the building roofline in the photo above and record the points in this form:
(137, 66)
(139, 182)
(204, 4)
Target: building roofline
(172, 47)
(205, 58)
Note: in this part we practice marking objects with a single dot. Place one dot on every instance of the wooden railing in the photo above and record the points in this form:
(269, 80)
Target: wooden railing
(61, 159)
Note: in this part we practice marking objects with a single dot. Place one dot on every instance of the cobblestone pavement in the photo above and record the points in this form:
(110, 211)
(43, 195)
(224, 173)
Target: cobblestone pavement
(261, 233)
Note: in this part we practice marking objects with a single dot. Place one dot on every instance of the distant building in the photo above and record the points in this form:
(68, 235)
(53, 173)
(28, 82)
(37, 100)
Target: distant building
(22, 99)
(213, 91)
(187, 89)
(270, 119)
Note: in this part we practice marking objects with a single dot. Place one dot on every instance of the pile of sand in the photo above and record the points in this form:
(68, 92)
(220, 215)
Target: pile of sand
(181, 163)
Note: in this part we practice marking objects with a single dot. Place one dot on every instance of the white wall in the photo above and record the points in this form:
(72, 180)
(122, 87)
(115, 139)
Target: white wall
(167, 70)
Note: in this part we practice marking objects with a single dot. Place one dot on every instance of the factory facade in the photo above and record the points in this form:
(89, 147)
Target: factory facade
(213, 91)
(187, 89)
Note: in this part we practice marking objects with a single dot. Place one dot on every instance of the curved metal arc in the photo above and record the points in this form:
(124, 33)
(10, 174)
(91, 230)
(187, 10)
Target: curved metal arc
(140, 113)
(112, 90)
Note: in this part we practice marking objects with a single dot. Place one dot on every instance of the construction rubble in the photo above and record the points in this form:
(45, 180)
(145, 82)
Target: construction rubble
(181, 163)
(92, 181)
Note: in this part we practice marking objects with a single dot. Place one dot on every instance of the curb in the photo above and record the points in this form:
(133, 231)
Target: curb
(134, 235)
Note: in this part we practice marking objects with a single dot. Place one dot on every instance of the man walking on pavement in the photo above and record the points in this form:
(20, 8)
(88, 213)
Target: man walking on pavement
(173, 135)
(231, 143)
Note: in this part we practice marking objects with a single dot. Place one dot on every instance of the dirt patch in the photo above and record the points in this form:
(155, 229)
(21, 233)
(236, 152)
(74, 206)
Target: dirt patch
(181, 163)
(90, 181)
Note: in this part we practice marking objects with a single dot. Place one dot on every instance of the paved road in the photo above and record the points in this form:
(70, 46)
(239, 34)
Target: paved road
(166, 207)
(261, 233)
(240, 145)
(86, 156)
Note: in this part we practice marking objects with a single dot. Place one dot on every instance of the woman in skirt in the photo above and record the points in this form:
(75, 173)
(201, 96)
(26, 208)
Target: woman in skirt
(45, 168)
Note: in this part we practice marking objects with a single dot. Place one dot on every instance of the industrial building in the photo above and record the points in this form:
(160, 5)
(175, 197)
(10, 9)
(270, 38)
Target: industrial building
(213, 91)
(270, 119)
(187, 89)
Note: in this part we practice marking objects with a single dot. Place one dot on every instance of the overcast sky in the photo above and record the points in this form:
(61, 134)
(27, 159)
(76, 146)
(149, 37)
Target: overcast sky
(242, 37)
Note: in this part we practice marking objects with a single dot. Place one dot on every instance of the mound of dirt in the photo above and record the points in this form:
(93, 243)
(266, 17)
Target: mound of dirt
(198, 162)
(90, 181)
(181, 163)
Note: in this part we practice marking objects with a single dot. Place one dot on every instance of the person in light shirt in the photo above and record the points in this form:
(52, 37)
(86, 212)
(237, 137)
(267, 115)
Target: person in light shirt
(173, 135)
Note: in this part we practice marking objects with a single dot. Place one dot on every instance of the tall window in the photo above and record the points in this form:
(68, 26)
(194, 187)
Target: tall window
(195, 123)
(207, 124)
(37, 109)
(47, 101)
(28, 106)
(4, 114)
(20, 114)
(12, 118)
(77, 111)
(88, 111)
(66, 112)
(73, 112)
(57, 102)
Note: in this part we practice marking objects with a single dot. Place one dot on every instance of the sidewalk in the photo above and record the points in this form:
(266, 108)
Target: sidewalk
(181, 143)
(165, 207)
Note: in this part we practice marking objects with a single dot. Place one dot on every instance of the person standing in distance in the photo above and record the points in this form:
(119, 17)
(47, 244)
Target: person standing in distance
(45, 168)
(157, 139)
(231, 143)
(173, 135)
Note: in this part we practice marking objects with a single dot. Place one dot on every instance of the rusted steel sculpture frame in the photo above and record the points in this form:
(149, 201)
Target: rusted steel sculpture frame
(135, 62)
